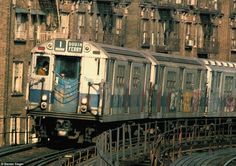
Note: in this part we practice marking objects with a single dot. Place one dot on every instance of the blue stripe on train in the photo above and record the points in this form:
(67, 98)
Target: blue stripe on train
(94, 99)
(35, 96)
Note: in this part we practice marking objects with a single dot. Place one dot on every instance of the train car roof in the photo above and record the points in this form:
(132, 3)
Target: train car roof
(219, 65)
(119, 52)
(167, 58)
(210, 62)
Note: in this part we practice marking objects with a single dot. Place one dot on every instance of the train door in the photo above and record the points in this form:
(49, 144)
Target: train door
(160, 88)
(136, 87)
(118, 95)
(214, 104)
(66, 84)
(41, 84)
(203, 87)
(108, 93)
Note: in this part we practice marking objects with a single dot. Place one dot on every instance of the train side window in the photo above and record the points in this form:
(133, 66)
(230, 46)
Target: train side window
(136, 76)
(228, 85)
(218, 80)
(198, 79)
(121, 75)
(189, 81)
(42, 66)
(171, 80)
(157, 72)
(67, 67)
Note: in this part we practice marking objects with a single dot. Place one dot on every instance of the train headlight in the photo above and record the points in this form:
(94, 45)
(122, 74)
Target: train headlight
(62, 133)
(94, 112)
(84, 101)
(43, 105)
(44, 97)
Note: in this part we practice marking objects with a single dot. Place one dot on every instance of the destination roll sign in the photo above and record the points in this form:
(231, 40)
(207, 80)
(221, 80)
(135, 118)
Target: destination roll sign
(74, 46)
(70, 46)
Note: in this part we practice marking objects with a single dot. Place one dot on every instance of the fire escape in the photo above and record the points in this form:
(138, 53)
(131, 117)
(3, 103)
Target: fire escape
(51, 8)
(208, 14)
(169, 37)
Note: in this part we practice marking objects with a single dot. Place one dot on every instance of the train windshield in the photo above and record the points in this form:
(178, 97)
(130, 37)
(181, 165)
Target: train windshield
(42, 65)
(66, 88)
(66, 67)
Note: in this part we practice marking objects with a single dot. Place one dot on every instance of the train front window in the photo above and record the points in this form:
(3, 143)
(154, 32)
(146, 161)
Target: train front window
(67, 67)
(42, 66)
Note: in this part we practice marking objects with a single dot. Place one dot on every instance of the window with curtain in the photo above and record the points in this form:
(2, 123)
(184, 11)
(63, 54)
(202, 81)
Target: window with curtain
(17, 78)
(20, 26)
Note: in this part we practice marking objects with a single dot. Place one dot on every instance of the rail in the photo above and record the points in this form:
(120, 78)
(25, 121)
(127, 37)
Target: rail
(230, 161)
(14, 149)
(47, 158)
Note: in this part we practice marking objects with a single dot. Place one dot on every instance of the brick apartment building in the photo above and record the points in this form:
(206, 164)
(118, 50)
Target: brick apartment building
(196, 28)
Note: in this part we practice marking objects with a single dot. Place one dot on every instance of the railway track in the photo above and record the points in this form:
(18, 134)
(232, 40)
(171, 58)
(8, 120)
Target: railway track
(231, 162)
(14, 149)
(32, 154)
(224, 157)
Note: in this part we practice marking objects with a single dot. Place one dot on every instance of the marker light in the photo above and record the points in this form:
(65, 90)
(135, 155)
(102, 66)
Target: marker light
(94, 112)
(43, 105)
(40, 48)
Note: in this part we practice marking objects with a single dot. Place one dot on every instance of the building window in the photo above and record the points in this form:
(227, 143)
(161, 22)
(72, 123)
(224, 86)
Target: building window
(200, 36)
(118, 25)
(145, 35)
(81, 19)
(17, 78)
(152, 38)
(191, 2)
(91, 21)
(64, 24)
(40, 29)
(178, 1)
(32, 27)
(215, 3)
(188, 31)
(20, 30)
(234, 4)
(96, 29)
(233, 39)
(14, 130)
(162, 33)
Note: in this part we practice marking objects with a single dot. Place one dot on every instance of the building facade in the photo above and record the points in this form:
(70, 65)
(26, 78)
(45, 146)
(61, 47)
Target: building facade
(194, 28)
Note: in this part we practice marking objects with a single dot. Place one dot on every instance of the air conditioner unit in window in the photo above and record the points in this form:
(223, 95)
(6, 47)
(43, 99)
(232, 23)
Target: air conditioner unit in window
(189, 43)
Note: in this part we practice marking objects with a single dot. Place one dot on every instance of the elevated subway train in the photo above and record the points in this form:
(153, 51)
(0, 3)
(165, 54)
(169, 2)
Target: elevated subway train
(75, 86)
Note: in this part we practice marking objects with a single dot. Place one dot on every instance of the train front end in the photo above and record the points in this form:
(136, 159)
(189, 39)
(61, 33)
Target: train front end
(64, 88)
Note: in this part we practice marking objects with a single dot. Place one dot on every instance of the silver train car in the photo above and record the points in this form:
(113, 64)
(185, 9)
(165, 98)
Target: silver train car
(77, 88)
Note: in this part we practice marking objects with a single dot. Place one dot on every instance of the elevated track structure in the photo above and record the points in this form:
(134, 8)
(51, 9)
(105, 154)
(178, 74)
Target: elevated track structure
(167, 142)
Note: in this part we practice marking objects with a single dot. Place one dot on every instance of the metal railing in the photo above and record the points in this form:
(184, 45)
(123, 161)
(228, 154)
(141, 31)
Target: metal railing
(160, 142)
